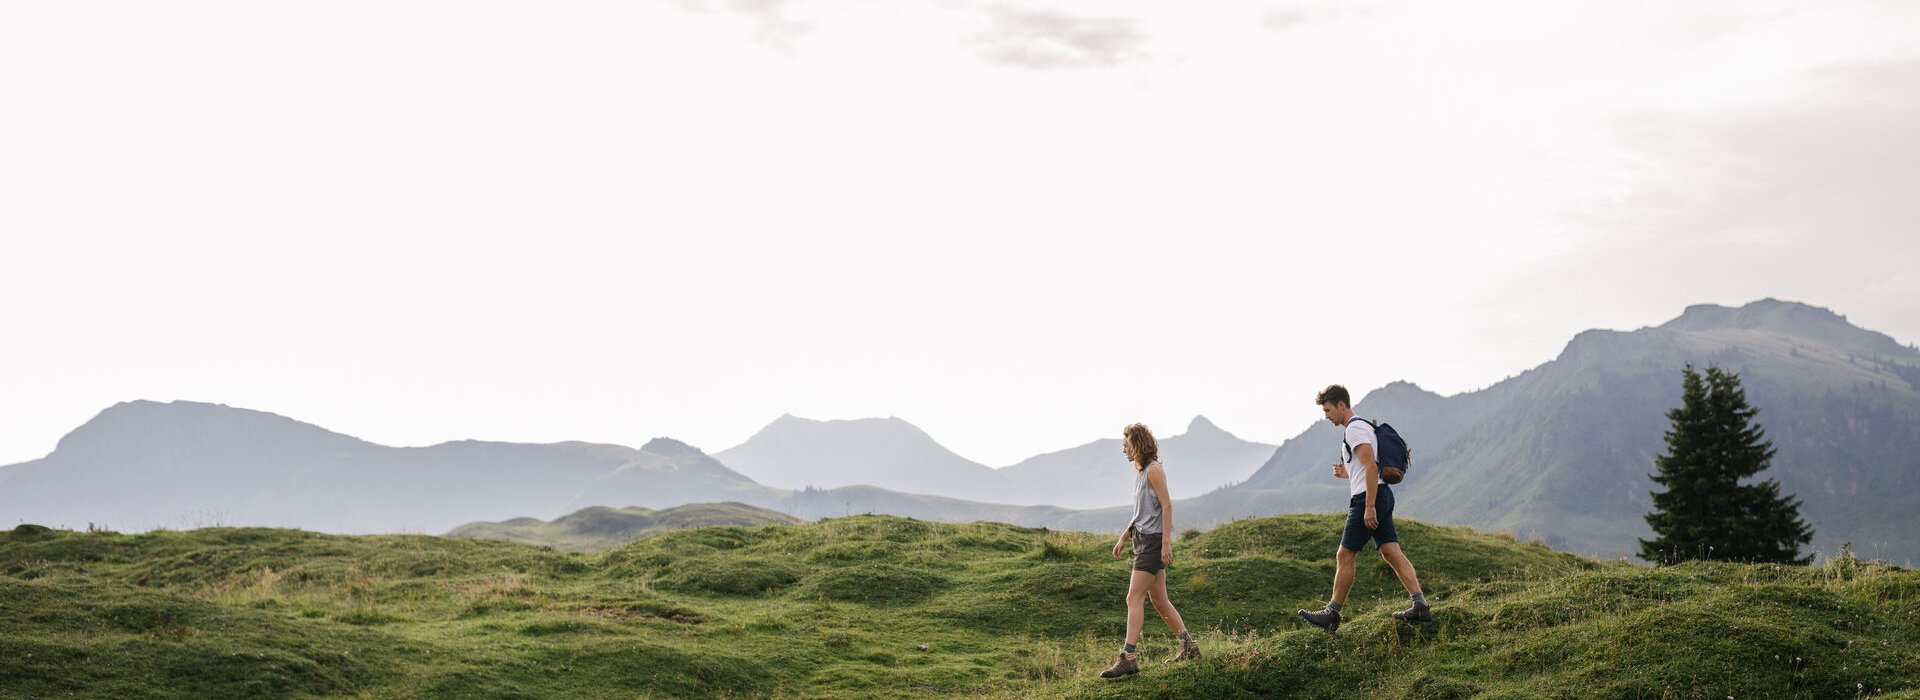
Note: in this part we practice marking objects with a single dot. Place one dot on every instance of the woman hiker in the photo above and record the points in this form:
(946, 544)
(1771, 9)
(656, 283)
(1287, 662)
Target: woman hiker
(1152, 533)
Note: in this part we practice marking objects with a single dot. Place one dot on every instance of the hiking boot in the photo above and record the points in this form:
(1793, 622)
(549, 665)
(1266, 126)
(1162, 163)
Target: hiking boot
(1125, 666)
(1323, 618)
(1189, 649)
(1418, 614)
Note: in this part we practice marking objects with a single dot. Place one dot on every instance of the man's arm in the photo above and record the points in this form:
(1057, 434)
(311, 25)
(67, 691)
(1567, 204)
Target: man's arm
(1364, 453)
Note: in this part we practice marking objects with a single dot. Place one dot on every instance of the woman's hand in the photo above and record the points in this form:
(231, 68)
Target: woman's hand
(1166, 551)
(1117, 547)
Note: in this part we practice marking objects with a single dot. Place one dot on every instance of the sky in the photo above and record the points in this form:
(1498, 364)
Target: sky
(1019, 226)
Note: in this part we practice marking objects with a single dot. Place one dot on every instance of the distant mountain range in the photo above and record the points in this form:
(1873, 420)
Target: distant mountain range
(144, 465)
(1097, 474)
(1560, 453)
(892, 454)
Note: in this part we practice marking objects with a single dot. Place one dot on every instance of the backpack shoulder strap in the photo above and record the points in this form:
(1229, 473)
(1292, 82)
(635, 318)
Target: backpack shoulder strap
(1343, 435)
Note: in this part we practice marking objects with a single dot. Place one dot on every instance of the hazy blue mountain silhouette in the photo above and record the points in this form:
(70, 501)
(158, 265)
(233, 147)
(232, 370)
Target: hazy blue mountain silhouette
(144, 464)
(1097, 474)
(892, 454)
(889, 453)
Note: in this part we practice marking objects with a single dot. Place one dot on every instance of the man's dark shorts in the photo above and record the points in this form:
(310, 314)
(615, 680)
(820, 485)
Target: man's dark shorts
(1146, 553)
(1356, 536)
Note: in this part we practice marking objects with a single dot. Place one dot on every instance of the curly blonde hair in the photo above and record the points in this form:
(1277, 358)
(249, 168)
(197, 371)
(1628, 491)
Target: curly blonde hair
(1146, 450)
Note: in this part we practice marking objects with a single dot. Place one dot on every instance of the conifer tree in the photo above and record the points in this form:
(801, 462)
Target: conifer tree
(1705, 512)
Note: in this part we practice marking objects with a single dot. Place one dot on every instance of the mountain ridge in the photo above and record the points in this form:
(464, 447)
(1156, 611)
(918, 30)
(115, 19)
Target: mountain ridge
(1562, 451)
(1559, 452)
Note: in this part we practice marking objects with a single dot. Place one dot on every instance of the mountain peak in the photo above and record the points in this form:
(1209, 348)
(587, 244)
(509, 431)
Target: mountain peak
(161, 408)
(1201, 426)
(155, 434)
(127, 424)
(1768, 313)
(668, 447)
(1401, 387)
(788, 423)
(885, 452)
(1786, 318)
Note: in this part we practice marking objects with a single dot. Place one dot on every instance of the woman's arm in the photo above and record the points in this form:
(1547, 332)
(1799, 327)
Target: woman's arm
(1157, 478)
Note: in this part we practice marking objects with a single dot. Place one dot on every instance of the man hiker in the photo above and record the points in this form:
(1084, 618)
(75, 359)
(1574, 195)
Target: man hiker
(1369, 516)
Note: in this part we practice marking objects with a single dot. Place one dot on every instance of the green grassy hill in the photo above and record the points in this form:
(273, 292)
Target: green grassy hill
(599, 527)
(875, 606)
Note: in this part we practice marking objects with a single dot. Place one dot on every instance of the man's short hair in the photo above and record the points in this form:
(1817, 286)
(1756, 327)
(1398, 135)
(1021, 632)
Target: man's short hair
(1334, 393)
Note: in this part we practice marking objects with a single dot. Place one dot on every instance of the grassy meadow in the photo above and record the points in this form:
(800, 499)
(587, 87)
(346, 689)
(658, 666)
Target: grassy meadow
(878, 606)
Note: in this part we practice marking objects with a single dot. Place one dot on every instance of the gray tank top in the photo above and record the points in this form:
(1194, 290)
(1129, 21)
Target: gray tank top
(1146, 506)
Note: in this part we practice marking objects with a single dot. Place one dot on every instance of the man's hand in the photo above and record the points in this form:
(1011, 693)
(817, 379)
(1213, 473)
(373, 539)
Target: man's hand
(1372, 520)
(1340, 469)
(1166, 551)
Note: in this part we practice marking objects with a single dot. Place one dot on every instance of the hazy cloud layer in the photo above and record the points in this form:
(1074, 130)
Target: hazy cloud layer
(1299, 14)
(1039, 38)
(776, 22)
(1046, 39)
(1810, 195)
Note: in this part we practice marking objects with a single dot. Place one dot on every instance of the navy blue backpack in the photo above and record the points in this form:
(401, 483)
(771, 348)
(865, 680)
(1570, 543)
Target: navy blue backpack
(1390, 451)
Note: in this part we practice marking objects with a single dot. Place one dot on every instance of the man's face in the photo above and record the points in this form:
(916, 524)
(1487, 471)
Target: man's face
(1336, 413)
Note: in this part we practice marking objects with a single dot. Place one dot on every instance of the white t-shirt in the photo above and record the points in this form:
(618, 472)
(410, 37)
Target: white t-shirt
(1359, 433)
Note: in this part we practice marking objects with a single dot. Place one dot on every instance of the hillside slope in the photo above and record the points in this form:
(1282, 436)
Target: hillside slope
(875, 606)
(1562, 452)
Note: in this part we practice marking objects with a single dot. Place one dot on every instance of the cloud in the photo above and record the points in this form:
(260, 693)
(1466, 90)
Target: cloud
(1048, 40)
(1807, 196)
(774, 22)
(1300, 14)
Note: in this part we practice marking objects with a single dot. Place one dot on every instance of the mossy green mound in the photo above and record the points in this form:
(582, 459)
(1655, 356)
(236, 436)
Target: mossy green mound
(599, 527)
(876, 583)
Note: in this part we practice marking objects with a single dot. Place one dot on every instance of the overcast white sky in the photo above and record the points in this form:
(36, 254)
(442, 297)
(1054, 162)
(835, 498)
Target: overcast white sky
(1018, 226)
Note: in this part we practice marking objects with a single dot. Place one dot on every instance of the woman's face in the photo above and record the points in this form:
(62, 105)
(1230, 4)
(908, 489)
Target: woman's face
(1126, 448)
